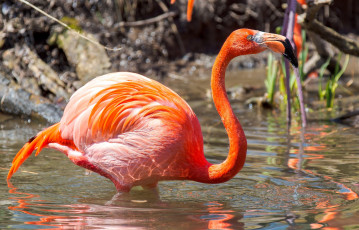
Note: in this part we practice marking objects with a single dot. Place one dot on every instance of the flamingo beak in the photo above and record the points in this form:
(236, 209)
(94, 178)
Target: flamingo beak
(289, 53)
(278, 44)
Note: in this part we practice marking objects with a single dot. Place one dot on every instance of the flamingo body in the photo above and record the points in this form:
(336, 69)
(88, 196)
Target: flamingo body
(139, 124)
(297, 36)
(130, 129)
(136, 131)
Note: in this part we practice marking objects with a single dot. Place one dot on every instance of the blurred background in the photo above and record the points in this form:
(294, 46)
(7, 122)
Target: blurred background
(44, 59)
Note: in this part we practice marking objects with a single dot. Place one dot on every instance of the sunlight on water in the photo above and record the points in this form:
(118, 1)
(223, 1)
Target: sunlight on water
(305, 179)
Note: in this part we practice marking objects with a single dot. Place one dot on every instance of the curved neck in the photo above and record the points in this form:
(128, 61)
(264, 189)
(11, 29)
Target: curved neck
(237, 141)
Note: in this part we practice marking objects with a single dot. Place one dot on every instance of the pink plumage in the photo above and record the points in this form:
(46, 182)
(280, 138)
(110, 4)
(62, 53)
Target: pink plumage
(136, 131)
(146, 120)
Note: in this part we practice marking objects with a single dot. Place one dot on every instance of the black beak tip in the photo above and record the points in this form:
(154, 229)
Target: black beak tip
(289, 53)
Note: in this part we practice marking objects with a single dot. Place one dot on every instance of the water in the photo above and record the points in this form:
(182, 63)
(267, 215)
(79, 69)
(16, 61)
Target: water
(301, 179)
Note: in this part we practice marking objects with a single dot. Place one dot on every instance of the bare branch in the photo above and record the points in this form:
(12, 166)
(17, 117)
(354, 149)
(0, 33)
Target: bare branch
(68, 27)
(314, 6)
(274, 8)
(346, 45)
(173, 26)
(147, 21)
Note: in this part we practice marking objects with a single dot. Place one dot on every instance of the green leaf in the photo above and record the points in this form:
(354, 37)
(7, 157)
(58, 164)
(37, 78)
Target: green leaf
(336, 70)
(321, 92)
(338, 75)
(329, 95)
(271, 78)
(303, 55)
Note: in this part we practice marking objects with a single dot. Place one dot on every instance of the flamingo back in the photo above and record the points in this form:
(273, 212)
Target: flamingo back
(116, 103)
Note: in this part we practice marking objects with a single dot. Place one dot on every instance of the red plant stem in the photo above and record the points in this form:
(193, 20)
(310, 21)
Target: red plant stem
(288, 29)
(287, 87)
(301, 100)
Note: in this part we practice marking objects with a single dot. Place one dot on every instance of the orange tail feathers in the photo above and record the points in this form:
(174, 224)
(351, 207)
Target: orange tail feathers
(51, 134)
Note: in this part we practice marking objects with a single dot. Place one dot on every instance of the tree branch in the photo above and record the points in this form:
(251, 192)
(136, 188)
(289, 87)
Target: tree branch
(344, 44)
(313, 8)
(146, 21)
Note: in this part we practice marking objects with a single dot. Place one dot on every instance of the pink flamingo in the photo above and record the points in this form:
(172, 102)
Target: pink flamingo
(136, 131)
(297, 31)
(189, 9)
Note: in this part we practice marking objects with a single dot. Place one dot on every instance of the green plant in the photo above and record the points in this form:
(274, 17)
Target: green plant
(303, 55)
(332, 84)
(276, 70)
(270, 81)
(292, 83)
(322, 92)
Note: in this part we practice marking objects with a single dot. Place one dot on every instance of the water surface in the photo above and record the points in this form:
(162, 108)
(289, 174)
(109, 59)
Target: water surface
(296, 179)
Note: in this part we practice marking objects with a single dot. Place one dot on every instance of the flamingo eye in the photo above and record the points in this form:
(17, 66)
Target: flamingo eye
(250, 37)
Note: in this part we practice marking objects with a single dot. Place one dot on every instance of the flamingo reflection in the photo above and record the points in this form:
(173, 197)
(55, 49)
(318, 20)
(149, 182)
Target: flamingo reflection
(124, 213)
(222, 219)
(331, 211)
(25, 200)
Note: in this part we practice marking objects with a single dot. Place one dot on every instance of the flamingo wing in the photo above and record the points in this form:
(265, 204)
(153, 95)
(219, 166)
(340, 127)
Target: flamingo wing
(132, 130)
(128, 128)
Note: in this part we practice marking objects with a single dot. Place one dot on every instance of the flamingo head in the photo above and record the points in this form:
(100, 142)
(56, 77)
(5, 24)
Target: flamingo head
(247, 41)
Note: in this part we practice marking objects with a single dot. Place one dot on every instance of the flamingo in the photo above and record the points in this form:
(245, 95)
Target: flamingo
(297, 31)
(297, 36)
(189, 8)
(136, 131)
